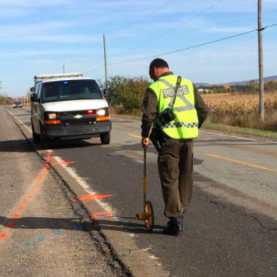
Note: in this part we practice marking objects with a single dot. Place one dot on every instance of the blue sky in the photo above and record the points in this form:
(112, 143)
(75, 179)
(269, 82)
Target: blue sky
(39, 37)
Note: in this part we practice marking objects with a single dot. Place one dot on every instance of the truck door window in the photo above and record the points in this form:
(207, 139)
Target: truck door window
(37, 89)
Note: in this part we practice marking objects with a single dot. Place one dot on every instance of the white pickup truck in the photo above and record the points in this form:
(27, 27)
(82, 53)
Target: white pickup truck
(68, 106)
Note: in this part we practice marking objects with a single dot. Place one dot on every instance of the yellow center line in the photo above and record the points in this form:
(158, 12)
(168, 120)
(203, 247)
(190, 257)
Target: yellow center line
(134, 136)
(243, 163)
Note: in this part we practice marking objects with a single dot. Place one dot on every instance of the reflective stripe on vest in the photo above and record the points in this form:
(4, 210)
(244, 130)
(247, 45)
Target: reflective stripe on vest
(180, 124)
(180, 94)
(185, 124)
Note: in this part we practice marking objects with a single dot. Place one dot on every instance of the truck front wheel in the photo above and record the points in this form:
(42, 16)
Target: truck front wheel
(36, 137)
(105, 138)
(44, 142)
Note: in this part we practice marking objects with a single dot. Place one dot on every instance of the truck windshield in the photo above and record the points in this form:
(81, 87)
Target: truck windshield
(70, 90)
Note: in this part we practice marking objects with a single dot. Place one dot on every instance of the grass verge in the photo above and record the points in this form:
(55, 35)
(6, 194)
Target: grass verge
(240, 130)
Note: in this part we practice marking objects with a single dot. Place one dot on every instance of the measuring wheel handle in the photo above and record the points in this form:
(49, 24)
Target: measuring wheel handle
(140, 216)
(149, 216)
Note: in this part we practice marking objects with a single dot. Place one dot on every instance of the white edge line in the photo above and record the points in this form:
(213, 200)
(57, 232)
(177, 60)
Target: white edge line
(84, 185)
(20, 121)
(216, 134)
(24, 125)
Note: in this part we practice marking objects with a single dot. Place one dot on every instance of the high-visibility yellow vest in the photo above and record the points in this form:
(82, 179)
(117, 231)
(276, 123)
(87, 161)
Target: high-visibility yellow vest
(185, 124)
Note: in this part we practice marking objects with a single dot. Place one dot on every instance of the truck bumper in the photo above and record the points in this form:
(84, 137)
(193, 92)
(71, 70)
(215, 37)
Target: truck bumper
(77, 131)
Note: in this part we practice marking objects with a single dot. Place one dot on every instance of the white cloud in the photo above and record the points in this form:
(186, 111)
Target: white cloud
(75, 39)
(31, 28)
(11, 13)
(32, 3)
(32, 53)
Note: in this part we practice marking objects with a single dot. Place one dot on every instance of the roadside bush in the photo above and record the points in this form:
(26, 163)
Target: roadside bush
(126, 93)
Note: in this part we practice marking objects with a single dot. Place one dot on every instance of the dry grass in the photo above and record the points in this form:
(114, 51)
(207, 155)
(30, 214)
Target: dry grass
(242, 110)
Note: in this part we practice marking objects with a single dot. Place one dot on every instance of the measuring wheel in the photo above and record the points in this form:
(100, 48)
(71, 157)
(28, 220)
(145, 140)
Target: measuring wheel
(149, 216)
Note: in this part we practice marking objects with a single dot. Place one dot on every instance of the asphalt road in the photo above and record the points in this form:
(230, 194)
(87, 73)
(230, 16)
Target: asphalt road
(230, 229)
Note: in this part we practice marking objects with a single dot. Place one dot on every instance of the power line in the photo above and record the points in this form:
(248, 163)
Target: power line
(188, 48)
(176, 27)
(195, 46)
(163, 33)
(139, 19)
(94, 69)
(270, 26)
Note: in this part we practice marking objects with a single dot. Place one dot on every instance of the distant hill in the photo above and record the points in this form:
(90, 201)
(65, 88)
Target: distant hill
(202, 84)
(266, 79)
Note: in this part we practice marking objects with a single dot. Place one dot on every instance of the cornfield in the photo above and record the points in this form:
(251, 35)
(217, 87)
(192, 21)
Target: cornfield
(242, 110)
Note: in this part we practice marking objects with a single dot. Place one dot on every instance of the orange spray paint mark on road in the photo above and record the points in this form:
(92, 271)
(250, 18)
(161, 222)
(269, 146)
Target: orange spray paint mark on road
(3, 235)
(38, 181)
(63, 163)
(92, 197)
(102, 214)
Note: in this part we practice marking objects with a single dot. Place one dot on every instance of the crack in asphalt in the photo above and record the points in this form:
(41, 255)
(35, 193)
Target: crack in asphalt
(241, 214)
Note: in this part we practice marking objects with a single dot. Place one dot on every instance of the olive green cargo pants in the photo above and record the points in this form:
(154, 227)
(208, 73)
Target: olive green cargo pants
(175, 162)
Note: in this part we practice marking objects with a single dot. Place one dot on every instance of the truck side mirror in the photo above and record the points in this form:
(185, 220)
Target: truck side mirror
(107, 92)
(34, 97)
(32, 89)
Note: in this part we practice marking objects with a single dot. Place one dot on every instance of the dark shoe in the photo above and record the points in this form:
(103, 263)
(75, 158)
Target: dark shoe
(174, 227)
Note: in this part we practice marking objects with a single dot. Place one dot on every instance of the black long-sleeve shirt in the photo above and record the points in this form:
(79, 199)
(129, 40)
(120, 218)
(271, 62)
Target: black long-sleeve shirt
(150, 106)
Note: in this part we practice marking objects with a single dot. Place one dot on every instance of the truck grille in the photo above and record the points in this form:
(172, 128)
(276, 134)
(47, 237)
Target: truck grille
(77, 118)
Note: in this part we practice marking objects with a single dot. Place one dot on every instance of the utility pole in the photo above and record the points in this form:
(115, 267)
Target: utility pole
(28, 96)
(0, 86)
(63, 69)
(261, 64)
(105, 60)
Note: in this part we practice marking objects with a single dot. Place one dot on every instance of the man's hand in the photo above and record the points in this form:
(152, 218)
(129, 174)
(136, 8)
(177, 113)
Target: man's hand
(145, 142)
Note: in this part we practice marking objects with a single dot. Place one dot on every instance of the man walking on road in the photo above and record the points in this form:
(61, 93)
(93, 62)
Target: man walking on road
(173, 134)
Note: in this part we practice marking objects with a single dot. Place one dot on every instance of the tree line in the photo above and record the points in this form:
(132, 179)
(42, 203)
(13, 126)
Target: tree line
(5, 100)
(251, 87)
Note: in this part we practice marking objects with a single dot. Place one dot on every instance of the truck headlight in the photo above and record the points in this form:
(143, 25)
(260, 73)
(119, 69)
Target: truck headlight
(52, 116)
(101, 112)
